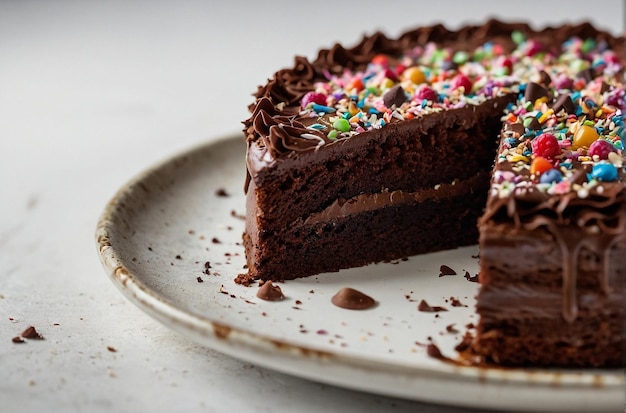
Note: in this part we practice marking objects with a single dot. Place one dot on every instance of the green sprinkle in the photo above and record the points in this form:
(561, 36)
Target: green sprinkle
(527, 121)
(588, 45)
(460, 57)
(518, 37)
(589, 123)
(332, 134)
(341, 125)
(501, 71)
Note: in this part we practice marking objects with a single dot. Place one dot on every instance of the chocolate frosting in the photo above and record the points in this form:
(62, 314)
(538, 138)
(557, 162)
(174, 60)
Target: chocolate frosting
(278, 101)
(341, 208)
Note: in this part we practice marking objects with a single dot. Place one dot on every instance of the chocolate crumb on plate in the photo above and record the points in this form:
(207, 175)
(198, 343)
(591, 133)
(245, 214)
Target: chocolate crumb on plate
(423, 306)
(221, 192)
(456, 302)
(199, 279)
(445, 270)
(32, 334)
(471, 278)
(450, 328)
(18, 339)
(112, 349)
(433, 351)
(352, 299)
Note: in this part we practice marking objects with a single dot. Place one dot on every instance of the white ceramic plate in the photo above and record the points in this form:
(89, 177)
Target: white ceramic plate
(158, 232)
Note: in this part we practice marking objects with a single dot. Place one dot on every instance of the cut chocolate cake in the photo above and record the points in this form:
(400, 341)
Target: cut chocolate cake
(386, 150)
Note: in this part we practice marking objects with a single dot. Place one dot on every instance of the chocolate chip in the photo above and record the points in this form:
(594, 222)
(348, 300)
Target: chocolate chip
(352, 299)
(515, 128)
(534, 124)
(587, 74)
(565, 102)
(394, 96)
(544, 79)
(270, 292)
(534, 91)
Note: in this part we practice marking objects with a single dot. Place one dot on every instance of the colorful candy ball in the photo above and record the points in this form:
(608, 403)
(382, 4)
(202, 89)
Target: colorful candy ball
(426, 93)
(462, 81)
(604, 172)
(601, 148)
(552, 176)
(546, 145)
(313, 97)
(585, 136)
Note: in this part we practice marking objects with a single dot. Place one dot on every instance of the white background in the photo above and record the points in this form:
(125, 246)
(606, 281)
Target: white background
(92, 93)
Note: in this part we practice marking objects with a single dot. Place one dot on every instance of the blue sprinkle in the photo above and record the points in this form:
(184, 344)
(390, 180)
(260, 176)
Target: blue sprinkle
(424, 103)
(367, 77)
(361, 103)
(373, 111)
(316, 126)
(347, 115)
(321, 108)
(527, 153)
(511, 141)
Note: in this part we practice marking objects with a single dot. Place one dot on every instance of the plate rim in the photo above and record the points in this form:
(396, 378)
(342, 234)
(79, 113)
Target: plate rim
(214, 334)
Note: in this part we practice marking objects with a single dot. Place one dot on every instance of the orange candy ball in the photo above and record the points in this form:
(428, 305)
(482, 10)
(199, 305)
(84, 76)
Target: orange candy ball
(540, 165)
(585, 136)
(414, 74)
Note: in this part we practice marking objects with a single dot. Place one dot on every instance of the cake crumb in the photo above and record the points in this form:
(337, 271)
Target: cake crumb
(17, 340)
(221, 192)
(471, 278)
(112, 349)
(423, 306)
(445, 270)
(32, 334)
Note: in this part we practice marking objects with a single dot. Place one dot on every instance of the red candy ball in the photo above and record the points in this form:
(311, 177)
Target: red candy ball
(546, 145)
(601, 148)
(313, 97)
(507, 64)
(461, 80)
(427, 93)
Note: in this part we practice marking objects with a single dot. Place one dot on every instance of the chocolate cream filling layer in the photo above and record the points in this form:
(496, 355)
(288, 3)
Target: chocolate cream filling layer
(342, 208)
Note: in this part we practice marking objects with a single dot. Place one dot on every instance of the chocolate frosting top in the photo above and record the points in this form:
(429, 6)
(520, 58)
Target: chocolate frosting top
(276, 123)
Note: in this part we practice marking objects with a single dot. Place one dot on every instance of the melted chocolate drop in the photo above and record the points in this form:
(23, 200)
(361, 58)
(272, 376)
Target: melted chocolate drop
(352, 299)
(270, 292)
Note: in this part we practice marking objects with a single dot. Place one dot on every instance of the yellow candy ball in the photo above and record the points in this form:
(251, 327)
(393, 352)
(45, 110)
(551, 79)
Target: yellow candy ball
(415, 75)
(584, 137)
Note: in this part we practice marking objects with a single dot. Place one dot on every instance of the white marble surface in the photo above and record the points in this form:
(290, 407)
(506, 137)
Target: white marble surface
(91, 93)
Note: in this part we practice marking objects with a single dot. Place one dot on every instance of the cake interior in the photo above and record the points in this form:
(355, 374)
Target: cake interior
(389, 206)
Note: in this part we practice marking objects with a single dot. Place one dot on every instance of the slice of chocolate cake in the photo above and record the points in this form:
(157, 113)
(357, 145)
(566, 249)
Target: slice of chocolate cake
(553, 236)
(386, 150)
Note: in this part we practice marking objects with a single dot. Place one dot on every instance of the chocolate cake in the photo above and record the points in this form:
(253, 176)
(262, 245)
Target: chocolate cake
(387, 149)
